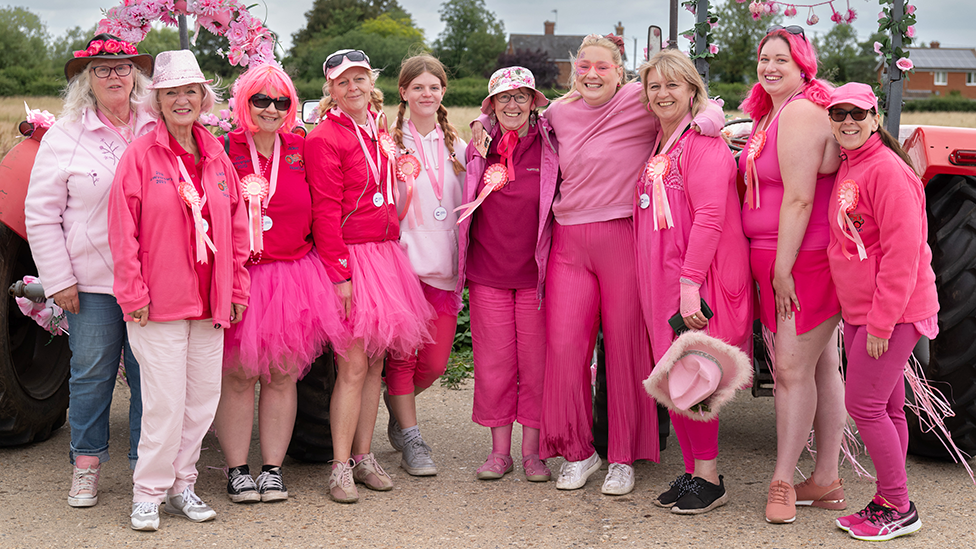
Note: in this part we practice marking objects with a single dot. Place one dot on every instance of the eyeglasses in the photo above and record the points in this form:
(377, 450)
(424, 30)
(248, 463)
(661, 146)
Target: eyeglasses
(336, 59)
(602, 69)
(857, 114)
(262, 101)
(792, 29)
(519, 98)
(104, 71)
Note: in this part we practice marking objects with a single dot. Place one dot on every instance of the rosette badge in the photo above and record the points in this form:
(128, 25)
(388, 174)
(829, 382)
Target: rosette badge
(496, 177)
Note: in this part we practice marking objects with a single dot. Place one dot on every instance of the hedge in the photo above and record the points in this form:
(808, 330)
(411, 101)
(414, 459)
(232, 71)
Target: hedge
(462, 92)
(953, 103)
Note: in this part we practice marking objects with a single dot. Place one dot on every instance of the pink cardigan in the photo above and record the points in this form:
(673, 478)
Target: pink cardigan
(895, 284)
(150, 229)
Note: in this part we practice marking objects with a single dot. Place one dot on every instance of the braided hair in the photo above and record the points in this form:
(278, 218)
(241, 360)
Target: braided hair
(409, 70)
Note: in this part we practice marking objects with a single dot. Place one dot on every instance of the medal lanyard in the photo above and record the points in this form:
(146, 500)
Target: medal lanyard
(679, 131)
(275, 161)
(373, 165)
(436, 181)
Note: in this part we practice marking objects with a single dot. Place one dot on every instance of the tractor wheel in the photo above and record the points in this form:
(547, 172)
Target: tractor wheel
(311, 440)
(34, 365)
(951, 362)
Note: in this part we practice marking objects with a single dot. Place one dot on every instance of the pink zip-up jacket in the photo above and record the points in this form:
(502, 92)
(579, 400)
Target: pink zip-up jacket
(896, 283)
(548, 178)
(67, 201)
(150, 228)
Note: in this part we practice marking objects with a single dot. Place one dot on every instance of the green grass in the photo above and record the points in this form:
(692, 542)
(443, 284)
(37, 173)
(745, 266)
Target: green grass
(459, 368)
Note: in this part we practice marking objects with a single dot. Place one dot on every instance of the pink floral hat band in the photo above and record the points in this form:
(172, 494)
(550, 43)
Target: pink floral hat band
(508, 79)
(107, 46)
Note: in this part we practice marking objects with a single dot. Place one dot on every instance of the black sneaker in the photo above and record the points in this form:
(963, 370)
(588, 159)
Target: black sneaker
(678, 488)
(241, 487)
(702, 496)
(271, 486)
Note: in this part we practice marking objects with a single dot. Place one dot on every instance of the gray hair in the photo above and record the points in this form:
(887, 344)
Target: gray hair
(78, 94)
(211, 96)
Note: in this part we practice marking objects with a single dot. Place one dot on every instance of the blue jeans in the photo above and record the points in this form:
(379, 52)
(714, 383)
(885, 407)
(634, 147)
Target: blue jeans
(97, 340)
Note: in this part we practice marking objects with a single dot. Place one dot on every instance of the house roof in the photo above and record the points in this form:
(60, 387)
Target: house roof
(959, 59)
(559, 47)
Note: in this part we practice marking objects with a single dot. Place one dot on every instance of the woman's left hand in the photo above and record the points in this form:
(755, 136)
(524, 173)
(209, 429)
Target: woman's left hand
(876, 346)
(236, 312)
(696, 321)
(784, 290)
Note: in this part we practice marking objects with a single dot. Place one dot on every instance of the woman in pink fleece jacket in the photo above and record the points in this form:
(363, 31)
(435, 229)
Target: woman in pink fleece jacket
(882, 267)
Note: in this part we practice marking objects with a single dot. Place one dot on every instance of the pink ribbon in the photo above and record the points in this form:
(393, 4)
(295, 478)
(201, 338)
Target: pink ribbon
(496, 177)
(193, 199)
(506, 149)
(847, 196)
(407, 170)
(655, 170)
(255, 189)
(752, 174)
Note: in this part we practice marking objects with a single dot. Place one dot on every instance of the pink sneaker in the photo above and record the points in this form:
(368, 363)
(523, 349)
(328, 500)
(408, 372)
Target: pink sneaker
(535, 469)
(84, 482)
(495, 467)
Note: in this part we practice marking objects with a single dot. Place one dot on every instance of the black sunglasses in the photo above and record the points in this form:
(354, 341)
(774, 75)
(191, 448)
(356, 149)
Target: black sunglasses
(792, 29)
(839, 115)
(336, 59)
(262, 101)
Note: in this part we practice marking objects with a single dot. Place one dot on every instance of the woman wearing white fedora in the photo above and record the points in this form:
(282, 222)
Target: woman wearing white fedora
(178, 233)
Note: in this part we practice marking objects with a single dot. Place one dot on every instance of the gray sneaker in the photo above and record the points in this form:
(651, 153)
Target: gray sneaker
(188, 505)
(145, 516)
(393, 430)
(416, 459)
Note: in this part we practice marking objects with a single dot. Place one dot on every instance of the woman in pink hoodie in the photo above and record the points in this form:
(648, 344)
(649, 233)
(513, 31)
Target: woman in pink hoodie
(881, 264)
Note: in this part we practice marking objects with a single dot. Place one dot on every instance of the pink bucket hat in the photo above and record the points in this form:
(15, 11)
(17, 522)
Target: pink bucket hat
(177, 68)
(511, 78)
(698, 375)
(342, 60)
(857, 94)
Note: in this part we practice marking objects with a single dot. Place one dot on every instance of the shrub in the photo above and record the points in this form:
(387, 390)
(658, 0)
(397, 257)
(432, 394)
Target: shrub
(953, 103)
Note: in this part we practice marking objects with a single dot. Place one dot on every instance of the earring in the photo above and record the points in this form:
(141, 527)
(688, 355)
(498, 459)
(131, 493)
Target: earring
(691, 103)
(648, 106)
(803, 75)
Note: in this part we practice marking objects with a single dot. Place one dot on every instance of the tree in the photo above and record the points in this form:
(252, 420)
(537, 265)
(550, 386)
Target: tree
(23, 39)
(838, 51)
(737, 36)
(472, 39)
(331, 18)
(545, 71)
(64, 47)
(160, 39)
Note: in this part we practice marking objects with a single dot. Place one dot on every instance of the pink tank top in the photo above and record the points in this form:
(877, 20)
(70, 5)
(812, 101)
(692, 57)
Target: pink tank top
(761, 225)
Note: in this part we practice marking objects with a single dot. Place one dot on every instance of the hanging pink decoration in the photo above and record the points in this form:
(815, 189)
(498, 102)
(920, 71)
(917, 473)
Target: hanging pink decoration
(812, 19)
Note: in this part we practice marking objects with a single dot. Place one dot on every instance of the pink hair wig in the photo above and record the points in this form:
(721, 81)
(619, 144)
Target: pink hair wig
(277, 84)
(758, 103)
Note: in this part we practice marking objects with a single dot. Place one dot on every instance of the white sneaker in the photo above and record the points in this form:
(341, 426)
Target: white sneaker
(188, 505)
(573, 474)
(620, 480)
(145, 516)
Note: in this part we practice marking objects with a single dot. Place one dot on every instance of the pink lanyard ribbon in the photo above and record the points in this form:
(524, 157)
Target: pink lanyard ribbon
(195, 201)
(258, 191)
(373, 165)
(436, 178)
(847, 196)
(756, 144)
(655, 170)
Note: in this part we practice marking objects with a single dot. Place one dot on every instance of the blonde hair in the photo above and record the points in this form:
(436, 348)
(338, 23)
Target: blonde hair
(590, 41)
(409, 70)
(675, 66)
(375, 96)
(78, 94)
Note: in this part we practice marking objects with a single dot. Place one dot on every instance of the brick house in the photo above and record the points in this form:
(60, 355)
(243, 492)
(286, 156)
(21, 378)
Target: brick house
(558, 47)
(939, 71)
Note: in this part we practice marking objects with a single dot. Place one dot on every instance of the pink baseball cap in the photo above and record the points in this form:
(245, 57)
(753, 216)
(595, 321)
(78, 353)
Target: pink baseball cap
(857, 94)
(342, 60)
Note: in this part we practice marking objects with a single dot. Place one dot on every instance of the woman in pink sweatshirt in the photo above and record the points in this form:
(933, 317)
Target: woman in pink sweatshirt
(882, 267)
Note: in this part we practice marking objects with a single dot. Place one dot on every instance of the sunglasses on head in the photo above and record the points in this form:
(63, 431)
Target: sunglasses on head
(262, 101)
(336, 59)
(857, 114)
(792, 29)
(602, 69)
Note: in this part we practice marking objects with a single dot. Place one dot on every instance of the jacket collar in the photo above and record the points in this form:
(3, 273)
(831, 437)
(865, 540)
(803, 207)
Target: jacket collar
(209, 145)
(867, 149)
(91, 121)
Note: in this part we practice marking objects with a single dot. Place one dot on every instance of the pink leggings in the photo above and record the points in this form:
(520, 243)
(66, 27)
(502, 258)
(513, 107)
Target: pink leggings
(421, 369)
(875, 399)
(698, 439)
(508, 334)
(592, 279)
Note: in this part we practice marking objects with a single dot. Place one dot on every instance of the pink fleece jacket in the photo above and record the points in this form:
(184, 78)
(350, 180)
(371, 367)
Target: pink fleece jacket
(895, 284)
(67, 201)
(150, 228)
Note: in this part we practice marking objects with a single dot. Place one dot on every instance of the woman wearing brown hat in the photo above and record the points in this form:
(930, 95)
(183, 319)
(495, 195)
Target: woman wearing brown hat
(67, 225)
(178, 232)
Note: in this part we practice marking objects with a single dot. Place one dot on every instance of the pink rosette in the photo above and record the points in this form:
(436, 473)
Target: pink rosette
(496, 177)
(756, 145)
(655, 170)
(192, 199)
(255, 189)
(407, 170)
(847, 198)
(388, 145)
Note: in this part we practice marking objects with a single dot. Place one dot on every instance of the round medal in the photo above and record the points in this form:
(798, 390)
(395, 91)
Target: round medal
(378, 199)
(206, 226)
(266, 223)
(645, 201)
(440, 213)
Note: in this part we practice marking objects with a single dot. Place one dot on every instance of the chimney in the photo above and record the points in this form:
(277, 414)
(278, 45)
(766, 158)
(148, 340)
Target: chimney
(934, 44)
(550, 27)
(620, 28)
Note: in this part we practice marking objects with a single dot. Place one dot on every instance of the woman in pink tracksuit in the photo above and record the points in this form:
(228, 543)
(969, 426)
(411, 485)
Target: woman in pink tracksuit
(881, 264)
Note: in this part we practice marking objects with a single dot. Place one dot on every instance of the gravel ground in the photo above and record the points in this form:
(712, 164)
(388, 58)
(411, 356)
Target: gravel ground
(454, 509)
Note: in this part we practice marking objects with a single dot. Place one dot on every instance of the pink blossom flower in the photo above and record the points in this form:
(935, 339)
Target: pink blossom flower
(224, 125)
(850, 16)
(237, 32)
(772, 8)
(910, 31)
(877, 48)
(756, 8)
(224, 113)
(881, 15)
(208, 119)
(712, 49)
(712, 24)
(231, 103)
(904, 64)
(113, 46)
(790, 11)
(836, 17)
(910, 9)
(691, 8)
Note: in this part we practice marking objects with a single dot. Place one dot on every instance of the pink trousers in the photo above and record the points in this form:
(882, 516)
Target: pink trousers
(592, 279)
(698, 439)
(180, 365)
(875, 399)
(508, 335)
(421, 369)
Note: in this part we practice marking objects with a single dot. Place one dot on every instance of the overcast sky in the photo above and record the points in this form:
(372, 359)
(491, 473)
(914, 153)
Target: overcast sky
(948, 21)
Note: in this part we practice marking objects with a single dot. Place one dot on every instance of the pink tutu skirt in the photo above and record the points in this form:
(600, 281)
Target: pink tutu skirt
(389, 310)
(293, 314)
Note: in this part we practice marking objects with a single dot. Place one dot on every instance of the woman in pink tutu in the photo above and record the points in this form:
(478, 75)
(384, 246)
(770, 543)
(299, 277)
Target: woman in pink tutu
(356, 231)
(293, 312)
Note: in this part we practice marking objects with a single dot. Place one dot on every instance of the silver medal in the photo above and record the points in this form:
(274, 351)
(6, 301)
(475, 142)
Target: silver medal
(266, 223)
(206, 226)
(440, 213)
(645, 201)
(378, 199)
